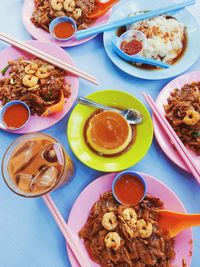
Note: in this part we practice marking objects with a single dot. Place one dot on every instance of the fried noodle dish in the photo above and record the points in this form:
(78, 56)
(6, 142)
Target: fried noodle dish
(47, 10)
(34, 81)
(121, 236)
(183, 113)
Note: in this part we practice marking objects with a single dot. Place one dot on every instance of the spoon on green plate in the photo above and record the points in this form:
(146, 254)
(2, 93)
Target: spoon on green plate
(132, 116)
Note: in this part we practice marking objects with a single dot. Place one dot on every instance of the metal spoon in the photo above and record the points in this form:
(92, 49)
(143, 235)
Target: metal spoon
(131, 115)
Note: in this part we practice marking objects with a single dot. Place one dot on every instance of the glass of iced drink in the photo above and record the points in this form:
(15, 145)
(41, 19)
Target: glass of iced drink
(35, 164)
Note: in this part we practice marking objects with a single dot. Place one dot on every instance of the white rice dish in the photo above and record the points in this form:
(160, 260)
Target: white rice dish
(165, 38)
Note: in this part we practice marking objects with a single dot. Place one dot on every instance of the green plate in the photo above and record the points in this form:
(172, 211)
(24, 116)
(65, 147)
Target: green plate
(81, 113)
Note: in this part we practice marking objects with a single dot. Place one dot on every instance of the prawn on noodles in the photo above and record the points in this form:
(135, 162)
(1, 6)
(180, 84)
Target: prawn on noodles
(47, 10)
(121, 236)
(183, 113)
(34, 81)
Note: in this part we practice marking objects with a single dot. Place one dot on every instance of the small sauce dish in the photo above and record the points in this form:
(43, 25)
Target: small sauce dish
(62, 28)
(132, 42)
(129, 188)
(14, 115)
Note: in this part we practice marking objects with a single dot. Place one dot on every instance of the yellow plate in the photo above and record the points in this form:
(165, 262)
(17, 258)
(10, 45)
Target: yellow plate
(81, 113)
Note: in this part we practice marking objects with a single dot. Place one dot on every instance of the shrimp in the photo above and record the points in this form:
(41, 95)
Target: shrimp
(30, 80)
(77, 13)
(192, 117)
(44, 72)
(57, 4)
(69, 5)
(131, 231)
(112, 240)
(145, 229)
(130, 216)
(109, 221)
(31, 68)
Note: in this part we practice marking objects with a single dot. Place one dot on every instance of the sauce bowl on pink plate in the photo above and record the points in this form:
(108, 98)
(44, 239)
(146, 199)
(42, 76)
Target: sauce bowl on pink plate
(39, 123)
(86, 199)
(43, 35)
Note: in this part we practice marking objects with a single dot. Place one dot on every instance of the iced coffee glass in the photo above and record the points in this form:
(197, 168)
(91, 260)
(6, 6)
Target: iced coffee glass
(35, 164)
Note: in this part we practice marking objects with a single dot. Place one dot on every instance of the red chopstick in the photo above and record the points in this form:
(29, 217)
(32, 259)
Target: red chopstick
(81, 258)
(181, 149)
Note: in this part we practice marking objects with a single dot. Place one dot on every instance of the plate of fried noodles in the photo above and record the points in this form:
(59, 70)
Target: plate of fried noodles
(179, 102)
(39, 84)
(113, 235)
(37, 15)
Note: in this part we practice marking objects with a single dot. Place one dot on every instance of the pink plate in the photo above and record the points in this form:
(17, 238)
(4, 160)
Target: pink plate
(42, 35)
(83, 204)
(37, 123)
(160, 135)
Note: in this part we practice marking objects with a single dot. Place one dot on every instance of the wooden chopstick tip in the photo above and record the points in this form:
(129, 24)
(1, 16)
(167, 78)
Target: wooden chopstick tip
(96, 82)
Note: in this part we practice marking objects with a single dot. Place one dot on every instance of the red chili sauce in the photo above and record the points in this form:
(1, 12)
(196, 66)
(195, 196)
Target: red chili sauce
(129, 189)
(63, 30)
(132, 47)
(15, 116)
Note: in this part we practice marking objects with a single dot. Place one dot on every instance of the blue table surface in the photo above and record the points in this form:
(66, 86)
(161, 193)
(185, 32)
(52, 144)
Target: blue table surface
(28, 234)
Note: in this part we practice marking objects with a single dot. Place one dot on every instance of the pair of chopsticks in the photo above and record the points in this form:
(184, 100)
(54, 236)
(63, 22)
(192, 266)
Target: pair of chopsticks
(51, 59)
(181, 149)
(110, 26)
(81, 258)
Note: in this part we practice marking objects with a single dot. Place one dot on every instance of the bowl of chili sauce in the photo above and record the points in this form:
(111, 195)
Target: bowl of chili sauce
(15, 115)
(62, 28)
(132, 42)
(129, 188)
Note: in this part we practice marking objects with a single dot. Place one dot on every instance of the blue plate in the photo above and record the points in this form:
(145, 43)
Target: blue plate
(187, 60)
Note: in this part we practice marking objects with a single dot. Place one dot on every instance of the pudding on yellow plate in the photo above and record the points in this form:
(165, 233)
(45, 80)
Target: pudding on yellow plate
(108, 133)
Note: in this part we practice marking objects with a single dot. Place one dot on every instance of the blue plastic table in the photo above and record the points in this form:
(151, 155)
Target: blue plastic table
(29, 236)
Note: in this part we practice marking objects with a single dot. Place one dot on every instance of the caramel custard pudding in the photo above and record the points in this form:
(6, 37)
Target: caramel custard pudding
(108, 133)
